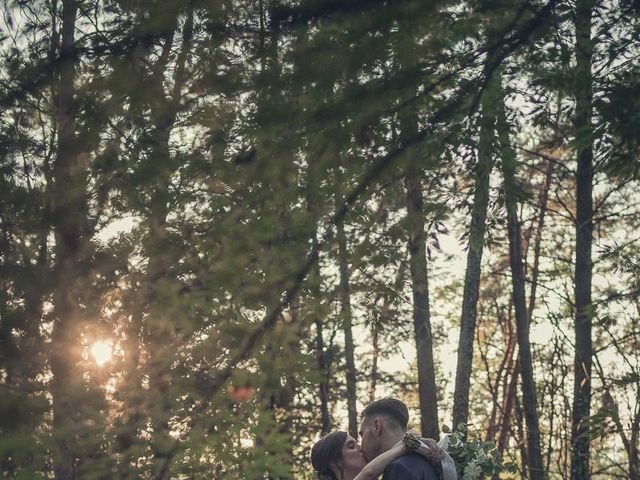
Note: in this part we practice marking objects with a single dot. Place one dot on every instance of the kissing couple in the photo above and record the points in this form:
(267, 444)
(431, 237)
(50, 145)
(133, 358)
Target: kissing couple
(385, 449)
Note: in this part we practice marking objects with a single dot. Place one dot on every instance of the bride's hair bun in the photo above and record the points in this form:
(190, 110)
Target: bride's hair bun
(327, 452)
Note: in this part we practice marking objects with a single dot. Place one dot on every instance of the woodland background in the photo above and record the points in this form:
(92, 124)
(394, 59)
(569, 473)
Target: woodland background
(250, 200)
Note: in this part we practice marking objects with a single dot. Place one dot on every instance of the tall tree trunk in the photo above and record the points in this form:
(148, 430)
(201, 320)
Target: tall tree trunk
(315, 282)
(35, 292)
(611, 409)
(282, 397)
(514, 372)
(522, 448)
(502, 377)
(510, 398)
(323, 385)
(159, 329)
(345, 315)
(130, 423)
(420, 290)
(408, 124)
(474, 260)
(293, 332)
(542, 206)
(529, 398)
(580, 433)
(375, 354)
(315, 290)
(70, 176)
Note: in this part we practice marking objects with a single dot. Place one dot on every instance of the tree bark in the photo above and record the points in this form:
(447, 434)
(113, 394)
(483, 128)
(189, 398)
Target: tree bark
(474, 260)
(279, 395)
(375, 354)
(158, 330)
(323, 385)
(345, 315)
(611, 409)
(514, 371)
(315, 291)
(70, 212)
(498, 409)
(529, 397)
(581, 410)
(420, 292)
(542, 205)
(522, 448)
(408, 125)
(505, 422)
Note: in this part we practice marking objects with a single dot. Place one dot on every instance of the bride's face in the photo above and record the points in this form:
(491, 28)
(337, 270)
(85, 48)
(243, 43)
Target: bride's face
(352, 458)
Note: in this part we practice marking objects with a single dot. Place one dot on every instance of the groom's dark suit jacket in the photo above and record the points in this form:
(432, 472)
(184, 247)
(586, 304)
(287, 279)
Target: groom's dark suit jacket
(412, 466)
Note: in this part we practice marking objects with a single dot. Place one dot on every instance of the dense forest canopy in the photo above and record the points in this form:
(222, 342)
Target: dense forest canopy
(222, 221)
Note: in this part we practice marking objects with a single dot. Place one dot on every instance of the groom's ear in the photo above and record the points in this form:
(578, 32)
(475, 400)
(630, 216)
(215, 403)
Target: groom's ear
(377, 426)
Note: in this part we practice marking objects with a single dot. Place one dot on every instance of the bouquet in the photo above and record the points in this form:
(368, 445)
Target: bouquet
(472, 460)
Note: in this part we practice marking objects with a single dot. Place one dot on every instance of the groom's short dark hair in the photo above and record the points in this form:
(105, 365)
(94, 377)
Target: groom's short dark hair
(389, 407)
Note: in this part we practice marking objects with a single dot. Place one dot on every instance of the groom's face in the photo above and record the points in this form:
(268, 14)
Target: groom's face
(370, 439)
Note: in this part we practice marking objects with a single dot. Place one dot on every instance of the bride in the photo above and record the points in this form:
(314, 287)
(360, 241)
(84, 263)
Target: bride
(337, 456)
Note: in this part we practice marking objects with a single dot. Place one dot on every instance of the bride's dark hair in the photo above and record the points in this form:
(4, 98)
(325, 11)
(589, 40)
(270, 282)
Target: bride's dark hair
(328, 451)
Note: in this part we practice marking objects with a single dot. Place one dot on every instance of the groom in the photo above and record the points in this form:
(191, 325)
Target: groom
(384, 423)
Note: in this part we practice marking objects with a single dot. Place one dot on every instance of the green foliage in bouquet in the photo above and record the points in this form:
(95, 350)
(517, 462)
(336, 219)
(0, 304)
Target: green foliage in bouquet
(474, 459)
